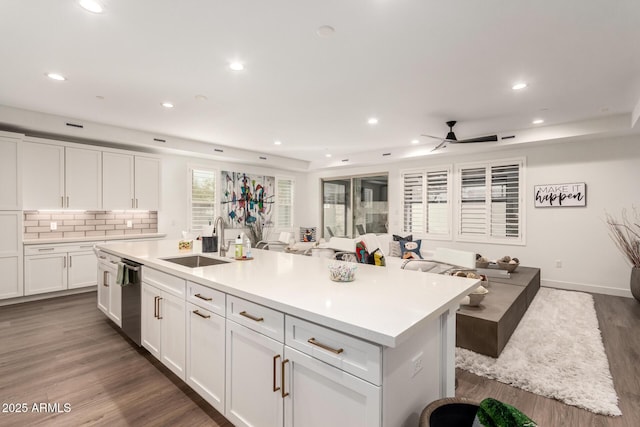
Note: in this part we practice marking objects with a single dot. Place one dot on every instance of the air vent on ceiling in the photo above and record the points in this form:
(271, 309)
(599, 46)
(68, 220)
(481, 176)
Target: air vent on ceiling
(159, 140)
(262, 158)
(386, 154)
(218, 150)
(508, 137)
(345, 160)
(75, 125)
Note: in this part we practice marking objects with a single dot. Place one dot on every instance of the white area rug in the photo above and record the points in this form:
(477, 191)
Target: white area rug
(556, 351)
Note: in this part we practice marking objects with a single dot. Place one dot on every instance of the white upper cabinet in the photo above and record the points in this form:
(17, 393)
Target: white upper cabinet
(10, 156)
(59, 177)
(130, 182)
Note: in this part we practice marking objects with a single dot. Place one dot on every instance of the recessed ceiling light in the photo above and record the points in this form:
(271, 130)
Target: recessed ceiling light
(325, 31)
(519, 86)
(537, 121)
(201, 98)
(327, 155)
(91, 6)
(415, 141)
(167, 105)
(236, 66)
(277, 142)
(56, 76)
(372, 121)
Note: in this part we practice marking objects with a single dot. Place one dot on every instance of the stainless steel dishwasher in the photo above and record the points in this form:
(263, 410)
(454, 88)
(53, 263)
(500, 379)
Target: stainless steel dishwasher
(131, 298)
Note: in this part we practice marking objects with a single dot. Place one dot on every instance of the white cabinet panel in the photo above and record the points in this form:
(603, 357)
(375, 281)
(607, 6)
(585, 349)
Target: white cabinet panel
(321, 395)
(253, 378)
(103, 288)
(82, 269)
(43, 176)
(11, 283)
(10, 233)
(10, 158)
(117, 181)
(173, 342)
(115, 299)
(45, 273)
(205, 355)
(150, 327)
(147, 183)
(83, 178)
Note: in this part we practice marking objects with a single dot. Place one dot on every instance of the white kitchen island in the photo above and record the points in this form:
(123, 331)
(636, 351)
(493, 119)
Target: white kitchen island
(273, 341)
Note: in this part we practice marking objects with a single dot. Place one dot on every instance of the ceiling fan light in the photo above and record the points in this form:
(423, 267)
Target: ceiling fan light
(451, 136)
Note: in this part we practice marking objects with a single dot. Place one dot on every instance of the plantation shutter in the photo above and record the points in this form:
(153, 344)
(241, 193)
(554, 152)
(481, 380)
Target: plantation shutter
(203, 184)
(285, 203)
(505, 197)
(473, 209)
(413, 206)
(438, 202)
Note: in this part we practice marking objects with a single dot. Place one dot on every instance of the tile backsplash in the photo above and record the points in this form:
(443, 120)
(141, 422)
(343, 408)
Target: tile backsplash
(37, 224)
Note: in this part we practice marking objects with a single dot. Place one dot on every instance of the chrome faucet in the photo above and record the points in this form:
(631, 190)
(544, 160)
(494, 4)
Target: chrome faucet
(222, 248)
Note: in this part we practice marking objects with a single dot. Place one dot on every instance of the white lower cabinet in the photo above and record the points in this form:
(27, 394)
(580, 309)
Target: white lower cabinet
(205, 354)
(163, 321)
(11, 284)
(109, 292)
(50, 268)
(254, 368)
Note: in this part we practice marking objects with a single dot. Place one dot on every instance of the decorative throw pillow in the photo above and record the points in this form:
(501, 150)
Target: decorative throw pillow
(376, 258)
(410, 249)
(361, 252)
(397, 238)
(394, 249)
(495, 413)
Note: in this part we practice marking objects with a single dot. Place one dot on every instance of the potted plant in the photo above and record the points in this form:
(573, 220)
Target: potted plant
(257, 231)
(625, 233)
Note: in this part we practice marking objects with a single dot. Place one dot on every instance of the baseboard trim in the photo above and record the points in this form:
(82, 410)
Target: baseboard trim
(583, 287)
(49, 295)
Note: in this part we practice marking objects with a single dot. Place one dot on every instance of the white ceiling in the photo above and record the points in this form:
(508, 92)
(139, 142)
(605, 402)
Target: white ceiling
(411, 63)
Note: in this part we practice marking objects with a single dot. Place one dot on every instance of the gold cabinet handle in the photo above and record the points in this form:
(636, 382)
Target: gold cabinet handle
(284, 362)
(201, 315)
(105, 279)
(204, 298)
(45, 249)
(133, 205)
(136, 203)
(324, 346)
(155, 307)
(255, 319)
(276, 357)
(70, 261)
(159, 315)
(62, 201)
(67, 201)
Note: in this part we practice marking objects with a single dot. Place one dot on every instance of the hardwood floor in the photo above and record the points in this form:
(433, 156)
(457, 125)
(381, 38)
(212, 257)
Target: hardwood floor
(64, 350)
(619, 320)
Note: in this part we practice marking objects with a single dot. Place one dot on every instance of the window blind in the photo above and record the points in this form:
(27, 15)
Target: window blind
(426, 207)
(284, 209)
(203, 184)
(438, 202)
(413, 206)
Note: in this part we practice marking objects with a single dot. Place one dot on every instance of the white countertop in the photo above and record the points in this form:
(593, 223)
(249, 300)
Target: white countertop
(382, 305)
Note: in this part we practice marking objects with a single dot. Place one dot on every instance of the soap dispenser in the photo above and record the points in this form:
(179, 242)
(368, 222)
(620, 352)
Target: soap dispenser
(238, 253)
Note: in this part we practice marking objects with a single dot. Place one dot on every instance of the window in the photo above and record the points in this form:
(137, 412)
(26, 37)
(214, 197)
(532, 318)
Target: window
(490, 202)
(284, 207)
(202, 198)
(426, 202)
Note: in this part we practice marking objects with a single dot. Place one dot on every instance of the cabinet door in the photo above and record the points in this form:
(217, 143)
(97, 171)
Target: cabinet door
(115, 298)
(11, 283)
(253, 378)
(43, 176)
(83, 179)
(83, 267)
(10, 161)
(205, 354)
(150, 327)
(45, 273)
(173, 333)
(117, 181)
(103, 289)
(147, 183)
(323, 395)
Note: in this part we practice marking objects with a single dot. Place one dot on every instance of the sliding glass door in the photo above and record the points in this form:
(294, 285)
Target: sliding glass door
(356, 205)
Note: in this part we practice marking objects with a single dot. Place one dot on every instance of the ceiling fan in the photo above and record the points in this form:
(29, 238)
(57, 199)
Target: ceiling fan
(451, 137)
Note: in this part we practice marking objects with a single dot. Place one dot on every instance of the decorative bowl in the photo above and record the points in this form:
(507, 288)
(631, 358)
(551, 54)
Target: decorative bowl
(342, 272)
(476, 296)
(507, 266)
(482, 264)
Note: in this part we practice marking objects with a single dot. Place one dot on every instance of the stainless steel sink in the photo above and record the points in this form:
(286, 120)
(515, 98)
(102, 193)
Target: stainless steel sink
(194, 261)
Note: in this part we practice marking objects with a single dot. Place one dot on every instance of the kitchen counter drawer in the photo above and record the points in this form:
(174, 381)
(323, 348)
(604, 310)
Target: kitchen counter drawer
(360, 358)
(207, 298)
(58, 248)
(257, 317)
(163, 281)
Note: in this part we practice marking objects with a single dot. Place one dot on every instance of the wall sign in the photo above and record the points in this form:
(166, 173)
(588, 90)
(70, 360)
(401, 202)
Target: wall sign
(560, 195)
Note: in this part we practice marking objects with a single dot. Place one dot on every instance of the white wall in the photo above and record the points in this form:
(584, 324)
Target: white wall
(172, 216)
(576, 236)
